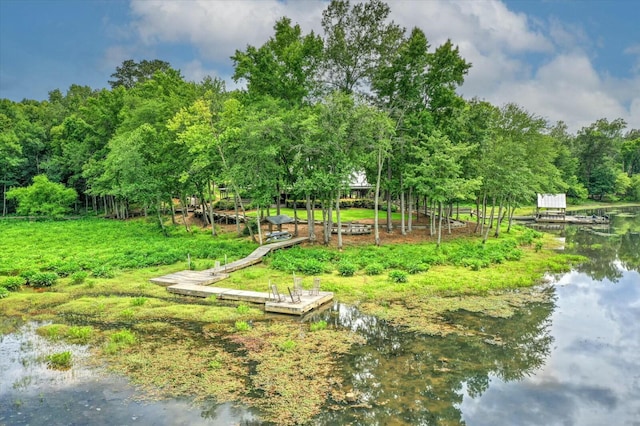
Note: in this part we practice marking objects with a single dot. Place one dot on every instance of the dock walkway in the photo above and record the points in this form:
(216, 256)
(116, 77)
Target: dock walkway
(196, 283)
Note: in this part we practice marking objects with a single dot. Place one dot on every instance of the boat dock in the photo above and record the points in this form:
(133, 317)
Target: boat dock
(196, 283)
(298, 306)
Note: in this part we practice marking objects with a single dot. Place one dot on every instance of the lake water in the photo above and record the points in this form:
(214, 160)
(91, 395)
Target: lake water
(573, 359)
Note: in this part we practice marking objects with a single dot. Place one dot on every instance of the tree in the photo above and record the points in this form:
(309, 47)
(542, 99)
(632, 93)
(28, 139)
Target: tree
(598, 149)
(43, 198)
(131, 72)
(357, 39)
(285, 67)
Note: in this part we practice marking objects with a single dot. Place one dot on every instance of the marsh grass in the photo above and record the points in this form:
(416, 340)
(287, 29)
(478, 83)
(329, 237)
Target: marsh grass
(59, 361)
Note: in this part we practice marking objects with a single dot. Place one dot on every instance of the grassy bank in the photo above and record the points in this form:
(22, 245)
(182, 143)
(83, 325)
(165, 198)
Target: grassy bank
(204, 348)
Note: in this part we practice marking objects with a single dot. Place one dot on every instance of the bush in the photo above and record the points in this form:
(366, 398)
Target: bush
(79, 277)
(346, 269)
(416, 268)
(13, 283)
(3, 293)
(311, 267)
(103, 272)
(398, 276)
(43, 279)
(43, 198)
(373, 269)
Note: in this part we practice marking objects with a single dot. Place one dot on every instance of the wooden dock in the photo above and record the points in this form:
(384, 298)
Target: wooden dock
(196, 283)
(307, 302)
(212, 275)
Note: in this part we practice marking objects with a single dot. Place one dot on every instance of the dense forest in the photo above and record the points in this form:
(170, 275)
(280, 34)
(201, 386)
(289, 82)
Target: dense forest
(363, 96)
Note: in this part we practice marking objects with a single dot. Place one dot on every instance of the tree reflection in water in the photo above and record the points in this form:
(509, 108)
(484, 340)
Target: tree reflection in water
(404, 377)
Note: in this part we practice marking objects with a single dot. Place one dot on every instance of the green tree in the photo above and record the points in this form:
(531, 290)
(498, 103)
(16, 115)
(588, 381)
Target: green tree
(357, 39)
(131, 72)
(43, 198)
(285, 67)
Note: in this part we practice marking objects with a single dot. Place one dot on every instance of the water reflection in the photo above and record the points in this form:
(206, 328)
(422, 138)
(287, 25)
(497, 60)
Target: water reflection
(32, 394)
(400, 377)
(592, 376)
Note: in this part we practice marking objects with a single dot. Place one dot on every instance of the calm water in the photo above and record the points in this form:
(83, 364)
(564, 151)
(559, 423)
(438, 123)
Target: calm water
(572, 360)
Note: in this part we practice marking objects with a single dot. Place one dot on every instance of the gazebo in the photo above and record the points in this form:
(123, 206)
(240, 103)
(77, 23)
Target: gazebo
(551, 207)
(278, 220)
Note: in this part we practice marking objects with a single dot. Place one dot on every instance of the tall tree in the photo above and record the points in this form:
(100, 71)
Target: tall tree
(285, 67)
(357, 39)
(131, 72)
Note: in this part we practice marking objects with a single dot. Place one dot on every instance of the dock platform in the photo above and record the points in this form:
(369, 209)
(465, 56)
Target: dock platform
(307, 302)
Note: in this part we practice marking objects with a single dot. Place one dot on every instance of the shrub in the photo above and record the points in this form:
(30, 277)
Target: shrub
(311, 267)
(27, 275)
(3, 293)
(66, 269)
(43, 198)
(416, 268)
(102, 272)
(13, 283)
(79, 277)
(346, 269)
(373, 269)
(43, 279)
(59, 361)
(317, 326)
(398, 276)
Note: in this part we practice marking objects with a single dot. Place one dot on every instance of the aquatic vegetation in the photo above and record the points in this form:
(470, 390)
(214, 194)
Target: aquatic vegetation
(138, 301)
(242, 326)
(60, 360)
(317, 326)
(118, 341)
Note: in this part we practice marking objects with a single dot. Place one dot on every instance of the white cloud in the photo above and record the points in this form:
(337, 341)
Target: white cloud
(560, 83)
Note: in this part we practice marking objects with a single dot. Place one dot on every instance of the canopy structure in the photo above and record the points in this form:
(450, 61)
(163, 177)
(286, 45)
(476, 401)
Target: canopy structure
(552, 201)
(551, 207)
(280, 219)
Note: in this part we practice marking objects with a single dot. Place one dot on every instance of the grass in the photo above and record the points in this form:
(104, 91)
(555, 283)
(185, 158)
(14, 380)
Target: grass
(101, 247)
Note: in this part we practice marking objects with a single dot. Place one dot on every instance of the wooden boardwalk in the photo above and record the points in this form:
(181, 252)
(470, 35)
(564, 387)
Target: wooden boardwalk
(196, 283)
(212, 275)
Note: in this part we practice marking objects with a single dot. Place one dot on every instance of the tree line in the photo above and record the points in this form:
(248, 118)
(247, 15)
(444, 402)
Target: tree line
(364, 96)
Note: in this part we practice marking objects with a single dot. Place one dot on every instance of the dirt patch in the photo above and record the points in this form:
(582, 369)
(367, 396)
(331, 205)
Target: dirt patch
(419, 234)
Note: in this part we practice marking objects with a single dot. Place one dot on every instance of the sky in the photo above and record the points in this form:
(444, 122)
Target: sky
(570, 60)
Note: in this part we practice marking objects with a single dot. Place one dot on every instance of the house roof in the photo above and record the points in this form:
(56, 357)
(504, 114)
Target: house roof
(552, 201)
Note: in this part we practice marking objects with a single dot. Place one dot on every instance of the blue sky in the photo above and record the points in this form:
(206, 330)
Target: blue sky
(569, 60)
